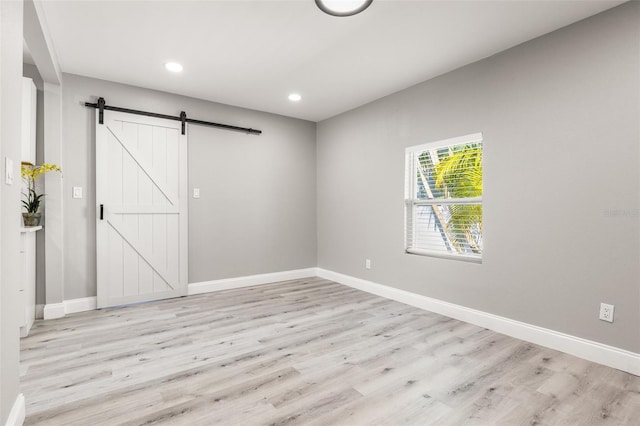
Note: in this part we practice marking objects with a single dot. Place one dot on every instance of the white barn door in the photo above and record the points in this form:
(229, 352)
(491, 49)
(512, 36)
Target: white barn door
(141, 197)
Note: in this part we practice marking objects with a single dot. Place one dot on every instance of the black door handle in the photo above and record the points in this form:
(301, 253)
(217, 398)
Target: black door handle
(101, 211)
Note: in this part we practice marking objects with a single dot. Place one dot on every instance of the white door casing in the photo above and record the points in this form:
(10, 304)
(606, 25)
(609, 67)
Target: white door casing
(141, 183)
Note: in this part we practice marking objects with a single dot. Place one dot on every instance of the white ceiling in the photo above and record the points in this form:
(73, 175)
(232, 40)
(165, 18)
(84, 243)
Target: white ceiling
(254, 53)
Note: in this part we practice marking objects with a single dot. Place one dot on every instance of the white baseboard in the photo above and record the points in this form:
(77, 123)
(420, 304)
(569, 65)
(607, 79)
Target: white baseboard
(593, 351)
(71, 306)
(583, 348)
(83, 304)
(53, 311)
(17, 413)
(251, 280)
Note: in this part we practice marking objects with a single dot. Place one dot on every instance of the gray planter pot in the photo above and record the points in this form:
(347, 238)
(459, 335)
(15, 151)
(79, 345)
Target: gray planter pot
(31, 219)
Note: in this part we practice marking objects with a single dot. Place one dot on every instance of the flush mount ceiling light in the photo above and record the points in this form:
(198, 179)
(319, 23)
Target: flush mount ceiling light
(343, 7)
(294, 97)
(173, 66)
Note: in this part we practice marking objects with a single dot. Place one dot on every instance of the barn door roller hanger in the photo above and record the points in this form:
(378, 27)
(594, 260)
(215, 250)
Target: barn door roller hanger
(101, 107)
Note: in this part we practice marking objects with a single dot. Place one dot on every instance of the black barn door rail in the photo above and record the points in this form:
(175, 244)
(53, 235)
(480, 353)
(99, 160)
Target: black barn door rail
(101, 107)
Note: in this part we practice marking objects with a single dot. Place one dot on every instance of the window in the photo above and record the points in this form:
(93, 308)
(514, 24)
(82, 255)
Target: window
(443, 198)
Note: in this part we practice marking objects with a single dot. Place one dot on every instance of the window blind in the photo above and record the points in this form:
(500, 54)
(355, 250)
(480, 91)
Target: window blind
(443, 198)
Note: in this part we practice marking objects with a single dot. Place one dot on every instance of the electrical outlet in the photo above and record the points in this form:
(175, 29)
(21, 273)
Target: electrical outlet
(606, 312)
(196, 192)
(367, 263)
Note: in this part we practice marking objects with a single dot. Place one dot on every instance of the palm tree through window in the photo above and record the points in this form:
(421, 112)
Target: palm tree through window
(444, 198)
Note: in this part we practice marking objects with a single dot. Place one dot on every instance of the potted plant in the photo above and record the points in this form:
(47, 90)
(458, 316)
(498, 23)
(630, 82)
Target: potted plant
(31, 203)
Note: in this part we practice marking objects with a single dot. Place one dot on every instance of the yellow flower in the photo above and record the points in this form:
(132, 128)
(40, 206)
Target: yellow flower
(30, 174)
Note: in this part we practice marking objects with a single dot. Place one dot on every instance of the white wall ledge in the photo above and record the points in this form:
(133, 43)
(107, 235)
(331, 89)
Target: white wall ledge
(27, 229)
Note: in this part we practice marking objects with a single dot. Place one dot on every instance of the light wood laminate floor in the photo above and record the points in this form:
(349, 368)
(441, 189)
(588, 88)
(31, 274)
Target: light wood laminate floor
(307, 352)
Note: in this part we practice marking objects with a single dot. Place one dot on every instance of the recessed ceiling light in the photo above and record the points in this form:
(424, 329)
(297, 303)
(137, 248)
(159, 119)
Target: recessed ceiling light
(173, 66)
(343, 7)
(294, 97)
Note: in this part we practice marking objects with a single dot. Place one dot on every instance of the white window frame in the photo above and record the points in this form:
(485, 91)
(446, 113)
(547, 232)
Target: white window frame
(411, 202)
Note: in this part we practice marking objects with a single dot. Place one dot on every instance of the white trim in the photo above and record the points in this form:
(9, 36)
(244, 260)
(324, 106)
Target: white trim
(53, 311)
(459, 140)
(251, 280)
(18, 412)
(436, 201)
(593, 351)
(71, 306)
(83, 304)
(583, 348)
(463, 257)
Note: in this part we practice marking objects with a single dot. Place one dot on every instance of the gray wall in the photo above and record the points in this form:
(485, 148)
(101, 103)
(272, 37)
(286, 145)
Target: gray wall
(559, 116)
(31, 71)
(10, 146)
(257, 211)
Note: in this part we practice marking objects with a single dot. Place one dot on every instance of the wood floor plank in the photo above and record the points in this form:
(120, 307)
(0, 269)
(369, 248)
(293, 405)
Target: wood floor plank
(304, 352)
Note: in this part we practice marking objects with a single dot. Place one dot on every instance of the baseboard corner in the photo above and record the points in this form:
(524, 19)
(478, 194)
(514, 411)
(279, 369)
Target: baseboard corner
(53, 311)
(18, 412)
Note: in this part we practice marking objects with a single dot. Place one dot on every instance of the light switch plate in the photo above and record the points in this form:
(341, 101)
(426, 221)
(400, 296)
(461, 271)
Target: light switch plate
(196, 192)
(8, 171)
(77, 192)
